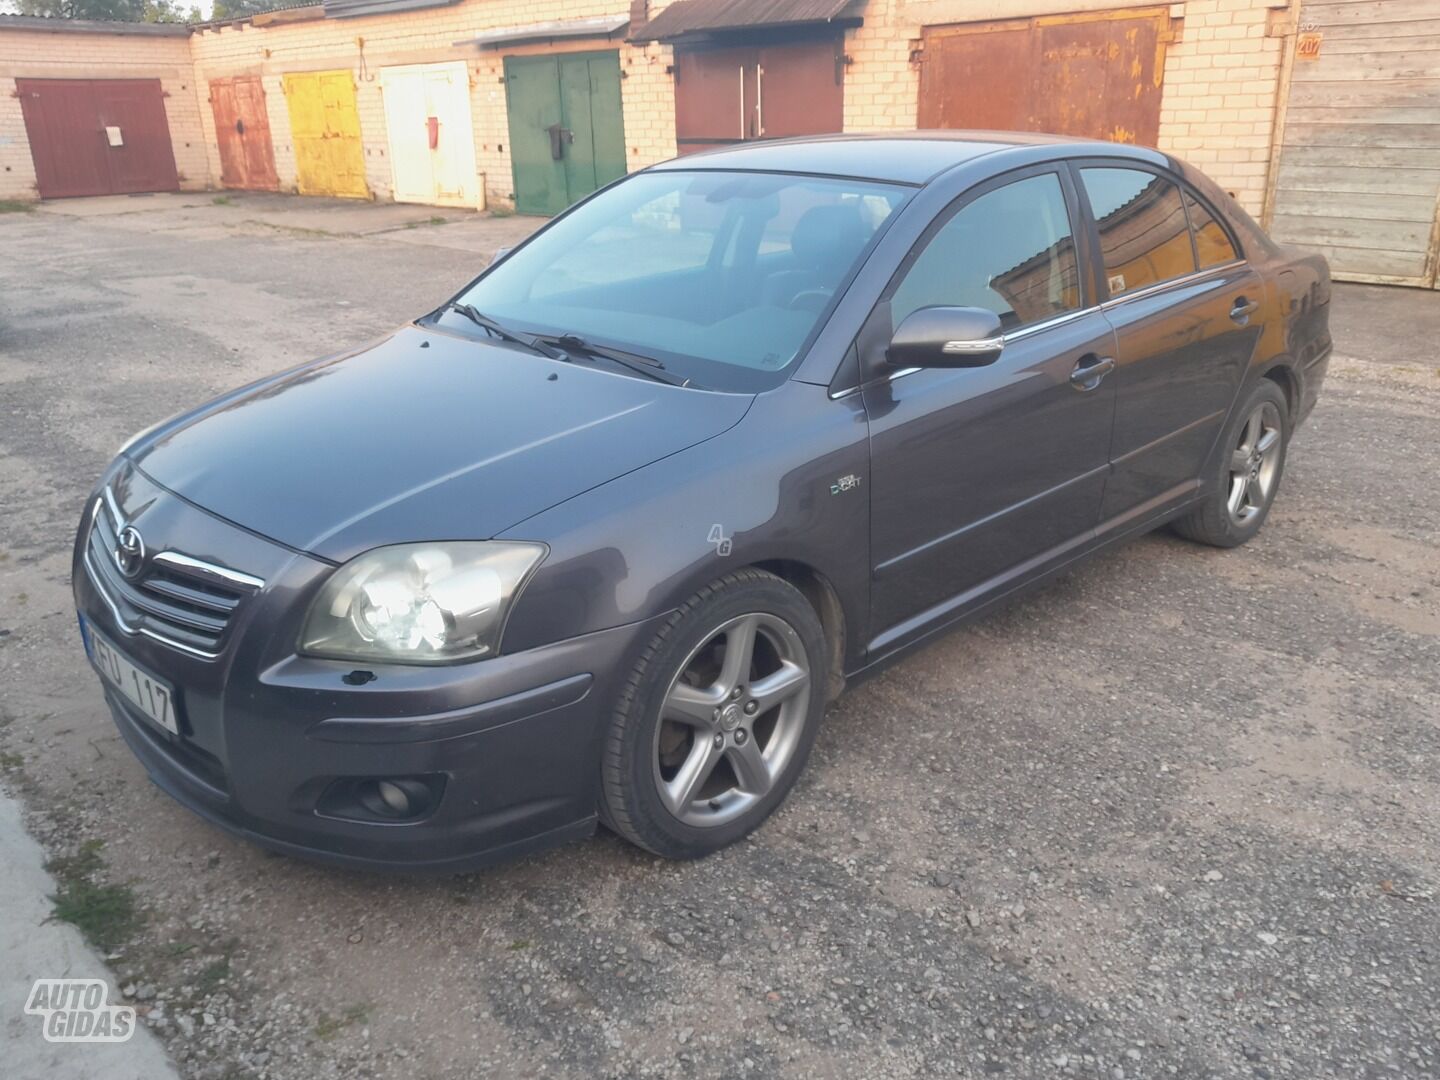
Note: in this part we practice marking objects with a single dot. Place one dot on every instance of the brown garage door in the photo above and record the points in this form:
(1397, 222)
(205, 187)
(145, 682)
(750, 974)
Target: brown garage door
(97, 136)
(1096, 75)
(242, 133)
(737, 93)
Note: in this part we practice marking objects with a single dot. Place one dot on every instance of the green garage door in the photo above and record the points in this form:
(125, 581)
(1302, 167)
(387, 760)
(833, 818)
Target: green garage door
(567, 137)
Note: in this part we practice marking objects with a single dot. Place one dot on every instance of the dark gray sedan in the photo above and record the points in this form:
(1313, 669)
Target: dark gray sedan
(600, 538)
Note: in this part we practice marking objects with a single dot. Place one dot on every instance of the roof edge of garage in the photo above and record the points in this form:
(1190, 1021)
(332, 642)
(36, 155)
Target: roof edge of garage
(691, 19)
(92, 26)
(557, 29)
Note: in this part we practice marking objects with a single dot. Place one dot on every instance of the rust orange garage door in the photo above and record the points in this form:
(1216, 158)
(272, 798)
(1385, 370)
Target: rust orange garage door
(1096, 75)
(325, 127)
(242, 131)
(97, 136)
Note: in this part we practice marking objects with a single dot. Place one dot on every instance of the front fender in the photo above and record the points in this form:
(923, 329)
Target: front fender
(789, 482)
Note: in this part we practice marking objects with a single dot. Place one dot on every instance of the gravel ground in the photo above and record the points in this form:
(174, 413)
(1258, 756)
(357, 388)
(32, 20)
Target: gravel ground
(1176, 815)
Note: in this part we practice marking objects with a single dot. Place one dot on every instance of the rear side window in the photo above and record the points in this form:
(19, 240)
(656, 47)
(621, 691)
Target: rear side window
(1144, 236)
(1212, 242)
(1010, 251)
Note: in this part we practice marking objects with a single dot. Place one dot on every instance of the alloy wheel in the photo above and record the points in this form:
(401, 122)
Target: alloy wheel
(731, 720)
(1255, 464)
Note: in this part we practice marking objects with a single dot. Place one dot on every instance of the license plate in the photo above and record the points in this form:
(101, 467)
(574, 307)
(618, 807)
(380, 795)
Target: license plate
(152, 696)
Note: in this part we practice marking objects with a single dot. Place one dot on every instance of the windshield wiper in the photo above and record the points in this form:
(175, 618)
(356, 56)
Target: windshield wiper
(484, 321)
(641, 365)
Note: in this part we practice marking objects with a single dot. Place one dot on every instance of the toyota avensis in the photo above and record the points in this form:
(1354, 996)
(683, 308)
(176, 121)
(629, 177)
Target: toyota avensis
(598, 539)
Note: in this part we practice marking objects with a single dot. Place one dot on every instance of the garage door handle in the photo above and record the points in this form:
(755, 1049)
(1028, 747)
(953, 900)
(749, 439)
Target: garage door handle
(239, 127)
(1090, 370)
(1243, 309)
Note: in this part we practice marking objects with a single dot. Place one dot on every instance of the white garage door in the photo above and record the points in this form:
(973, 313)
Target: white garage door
(432, 141)
(1359, 174)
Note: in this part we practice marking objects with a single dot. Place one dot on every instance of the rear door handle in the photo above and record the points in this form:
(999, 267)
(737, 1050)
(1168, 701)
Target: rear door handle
(1090, 370)
(1243, 309)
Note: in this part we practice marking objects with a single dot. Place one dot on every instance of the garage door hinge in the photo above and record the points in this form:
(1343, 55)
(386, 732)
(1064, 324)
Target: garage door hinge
(917, 51)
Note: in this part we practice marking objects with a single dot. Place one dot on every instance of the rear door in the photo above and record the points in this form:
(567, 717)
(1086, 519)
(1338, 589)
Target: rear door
(981, 478)
(1186, 317)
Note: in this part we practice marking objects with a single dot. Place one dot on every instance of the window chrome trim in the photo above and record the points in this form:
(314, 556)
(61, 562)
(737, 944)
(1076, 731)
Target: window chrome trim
(1170, 283)
(1010, 335)
(1057, 320)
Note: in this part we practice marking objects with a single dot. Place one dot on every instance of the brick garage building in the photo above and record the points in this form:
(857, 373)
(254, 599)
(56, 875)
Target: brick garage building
(375, 98)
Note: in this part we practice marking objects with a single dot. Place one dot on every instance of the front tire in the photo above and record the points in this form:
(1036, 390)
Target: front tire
(1252, 461)
(717, 718)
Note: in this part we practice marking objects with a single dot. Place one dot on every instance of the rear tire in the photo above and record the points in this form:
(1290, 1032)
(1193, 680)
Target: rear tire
(715, 722)
(1247, 476)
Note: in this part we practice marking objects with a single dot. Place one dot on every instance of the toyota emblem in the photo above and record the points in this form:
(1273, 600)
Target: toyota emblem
(129, 551)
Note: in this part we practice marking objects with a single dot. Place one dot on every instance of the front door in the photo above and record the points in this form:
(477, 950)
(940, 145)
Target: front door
(567, 134)
(242, 130)
(982, 477)
(432, 141)
(736, 93)
(1185, 313)
(325, 127)
(97, 136)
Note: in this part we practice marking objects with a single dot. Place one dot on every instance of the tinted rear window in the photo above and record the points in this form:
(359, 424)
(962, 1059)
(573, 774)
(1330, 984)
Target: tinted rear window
(1144, 235)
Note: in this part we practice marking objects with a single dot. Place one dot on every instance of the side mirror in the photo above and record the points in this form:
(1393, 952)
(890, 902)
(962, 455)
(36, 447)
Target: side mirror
(946, 337)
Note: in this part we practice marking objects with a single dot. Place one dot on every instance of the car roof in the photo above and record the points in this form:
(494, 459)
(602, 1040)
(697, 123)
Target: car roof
(912, 157)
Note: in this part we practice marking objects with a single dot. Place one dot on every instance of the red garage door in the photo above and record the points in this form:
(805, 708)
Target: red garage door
(97, 136)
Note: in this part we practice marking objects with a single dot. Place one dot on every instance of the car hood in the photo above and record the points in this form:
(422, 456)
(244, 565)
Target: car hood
(421, 436)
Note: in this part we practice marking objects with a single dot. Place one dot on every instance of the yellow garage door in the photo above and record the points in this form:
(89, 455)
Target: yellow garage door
(325, 127)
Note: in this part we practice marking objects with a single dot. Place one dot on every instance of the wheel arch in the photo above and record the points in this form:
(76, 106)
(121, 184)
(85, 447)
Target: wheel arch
(823, 597)
(1283, 373)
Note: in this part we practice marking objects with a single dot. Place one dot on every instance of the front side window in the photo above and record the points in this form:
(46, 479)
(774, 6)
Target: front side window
(1212, 242)
(720, 275)
(1010, 251)
(1144, 236)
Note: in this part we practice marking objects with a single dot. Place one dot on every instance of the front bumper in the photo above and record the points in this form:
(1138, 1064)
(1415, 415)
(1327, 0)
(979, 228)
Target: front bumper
(264, 734)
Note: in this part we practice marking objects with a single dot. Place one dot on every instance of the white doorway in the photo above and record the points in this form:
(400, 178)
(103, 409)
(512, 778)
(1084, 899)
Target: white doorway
(432, 139)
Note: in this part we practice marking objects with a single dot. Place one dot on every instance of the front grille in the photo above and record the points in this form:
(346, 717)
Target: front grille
(176, 599)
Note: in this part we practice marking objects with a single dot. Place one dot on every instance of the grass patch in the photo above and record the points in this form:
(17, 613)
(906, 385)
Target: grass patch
(213, 976)
(327, 1027)
(437, 220)
(108, 915)
(222, 200)
(10, 761)
(15, 206)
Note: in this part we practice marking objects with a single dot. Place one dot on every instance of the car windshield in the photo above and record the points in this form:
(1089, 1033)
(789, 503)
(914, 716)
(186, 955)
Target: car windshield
(722, 276)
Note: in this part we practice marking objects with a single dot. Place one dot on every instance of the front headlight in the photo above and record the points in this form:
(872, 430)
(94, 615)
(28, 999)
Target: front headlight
(420, 603)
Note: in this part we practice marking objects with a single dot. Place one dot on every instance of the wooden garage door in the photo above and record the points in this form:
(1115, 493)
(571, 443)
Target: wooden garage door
(1359, 173)
(1096, 75)
(97, 136)
(242, 132)
(769, 91)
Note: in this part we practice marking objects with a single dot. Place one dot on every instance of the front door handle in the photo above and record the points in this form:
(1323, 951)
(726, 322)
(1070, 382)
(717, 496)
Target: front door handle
(1243, 309)
(1090, 370)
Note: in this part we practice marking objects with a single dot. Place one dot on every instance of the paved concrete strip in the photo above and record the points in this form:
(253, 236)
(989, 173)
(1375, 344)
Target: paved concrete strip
(32, 948)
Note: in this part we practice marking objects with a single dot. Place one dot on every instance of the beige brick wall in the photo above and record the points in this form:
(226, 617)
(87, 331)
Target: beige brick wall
(68, 55)
(429, 36)
(1222, 75)
(1217, 110)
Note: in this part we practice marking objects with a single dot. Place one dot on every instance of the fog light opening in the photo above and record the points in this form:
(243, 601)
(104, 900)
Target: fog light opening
(395, 799)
